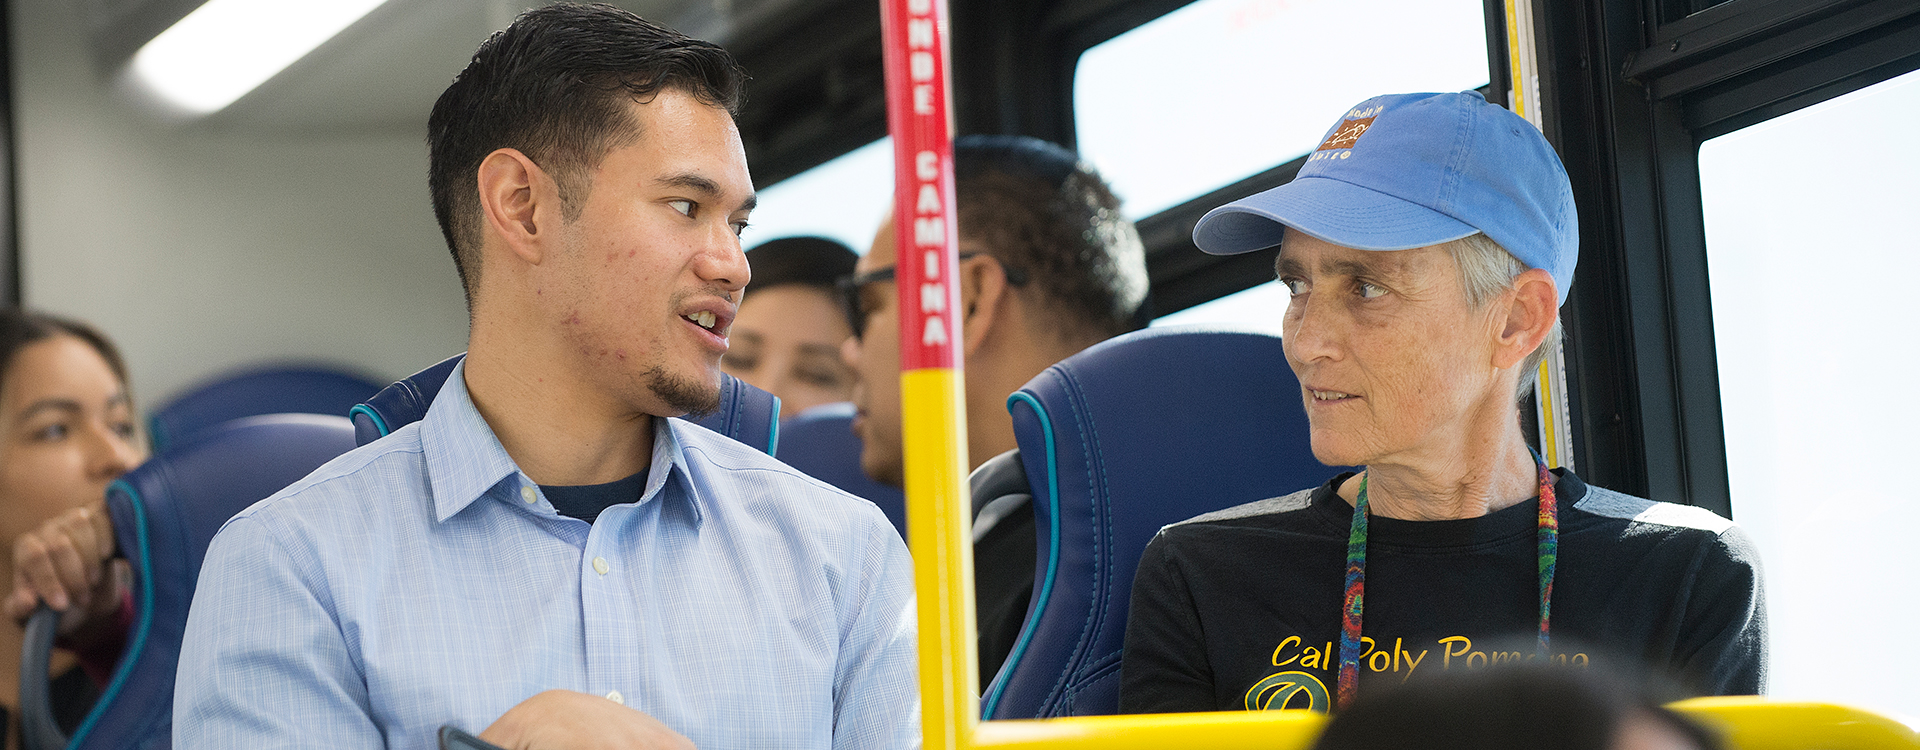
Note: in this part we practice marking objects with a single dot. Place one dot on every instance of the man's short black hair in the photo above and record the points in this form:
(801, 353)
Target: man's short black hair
(554, 85)
(1048, 216)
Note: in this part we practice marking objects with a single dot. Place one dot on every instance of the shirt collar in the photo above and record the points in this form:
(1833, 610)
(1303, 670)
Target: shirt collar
(465, 459)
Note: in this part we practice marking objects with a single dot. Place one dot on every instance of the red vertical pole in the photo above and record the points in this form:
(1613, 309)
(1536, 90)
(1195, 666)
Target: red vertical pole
(931, 389)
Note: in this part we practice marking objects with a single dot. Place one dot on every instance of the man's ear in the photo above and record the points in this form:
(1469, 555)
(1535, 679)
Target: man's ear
(517, 201)
(1531, 306)
(983, 294)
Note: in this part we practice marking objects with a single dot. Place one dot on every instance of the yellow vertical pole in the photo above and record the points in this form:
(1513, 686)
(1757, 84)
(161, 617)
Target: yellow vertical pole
(914, 38)
(1550, 394)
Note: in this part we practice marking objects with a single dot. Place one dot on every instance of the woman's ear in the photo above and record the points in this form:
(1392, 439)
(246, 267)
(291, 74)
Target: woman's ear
(517, 201)
(1531, 307)
(983, 290)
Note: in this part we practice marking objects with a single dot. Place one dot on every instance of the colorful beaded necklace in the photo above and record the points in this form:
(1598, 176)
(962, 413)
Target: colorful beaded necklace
(1548, 550)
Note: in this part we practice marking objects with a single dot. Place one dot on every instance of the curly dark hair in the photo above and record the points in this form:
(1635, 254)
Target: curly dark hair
(1046, 215)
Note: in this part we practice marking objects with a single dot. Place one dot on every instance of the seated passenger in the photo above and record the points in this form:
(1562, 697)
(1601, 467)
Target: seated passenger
(1428, 244)
(66, 431)
(1048, 267)
(547, 555)
(786, 338)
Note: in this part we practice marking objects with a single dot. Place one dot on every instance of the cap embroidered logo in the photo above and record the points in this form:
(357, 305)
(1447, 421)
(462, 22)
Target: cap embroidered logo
(1347, 134)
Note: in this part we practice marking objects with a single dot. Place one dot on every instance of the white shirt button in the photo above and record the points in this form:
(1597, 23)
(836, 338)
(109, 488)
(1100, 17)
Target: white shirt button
(616, 697)
(527, 494)
(600, 566)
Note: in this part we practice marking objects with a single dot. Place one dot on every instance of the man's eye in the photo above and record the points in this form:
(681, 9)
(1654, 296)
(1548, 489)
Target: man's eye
(739, 228)
(1294, 287)
(123, 429)
(1370, 291)
(685, 207)
(51, 433)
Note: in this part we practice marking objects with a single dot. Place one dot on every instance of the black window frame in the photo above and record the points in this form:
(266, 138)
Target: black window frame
(1628, 101)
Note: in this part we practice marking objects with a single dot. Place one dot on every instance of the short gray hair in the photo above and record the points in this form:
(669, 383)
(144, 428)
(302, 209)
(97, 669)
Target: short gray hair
(1487, 270)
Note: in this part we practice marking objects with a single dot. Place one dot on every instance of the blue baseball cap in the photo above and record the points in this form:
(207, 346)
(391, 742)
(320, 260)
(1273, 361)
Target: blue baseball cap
(1411, 170)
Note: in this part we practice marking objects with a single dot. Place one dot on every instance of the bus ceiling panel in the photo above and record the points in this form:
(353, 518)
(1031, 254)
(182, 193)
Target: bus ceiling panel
(1739, 38)
(117, 28)
(817, 87)
(383, 71)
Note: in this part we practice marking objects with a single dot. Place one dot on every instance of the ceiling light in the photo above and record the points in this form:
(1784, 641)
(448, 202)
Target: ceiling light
(226, 48)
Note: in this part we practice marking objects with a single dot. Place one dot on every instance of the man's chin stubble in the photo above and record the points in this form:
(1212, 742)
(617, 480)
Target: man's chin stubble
(693, 398)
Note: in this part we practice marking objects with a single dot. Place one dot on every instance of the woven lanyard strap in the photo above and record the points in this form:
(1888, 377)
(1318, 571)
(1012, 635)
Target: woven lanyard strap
(1548, 550)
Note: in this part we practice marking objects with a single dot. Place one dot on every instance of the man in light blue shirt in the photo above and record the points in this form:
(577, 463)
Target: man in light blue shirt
(547, 556)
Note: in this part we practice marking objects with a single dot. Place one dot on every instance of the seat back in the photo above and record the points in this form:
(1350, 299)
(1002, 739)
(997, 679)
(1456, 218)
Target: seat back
(746, 413)
(1131, 435)
(821, 444)
(271, 390)
(164, 515)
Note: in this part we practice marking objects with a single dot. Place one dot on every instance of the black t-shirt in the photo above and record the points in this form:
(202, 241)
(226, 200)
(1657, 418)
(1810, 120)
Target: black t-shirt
(1240, 609)
(586, 501)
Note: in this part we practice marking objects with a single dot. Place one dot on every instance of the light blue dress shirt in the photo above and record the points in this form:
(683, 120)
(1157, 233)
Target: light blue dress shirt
(423, 580)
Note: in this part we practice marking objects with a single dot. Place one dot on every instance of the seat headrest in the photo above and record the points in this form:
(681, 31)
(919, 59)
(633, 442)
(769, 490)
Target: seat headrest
(402, 403)
(271, 390)
(1128, 436)
(165, 513)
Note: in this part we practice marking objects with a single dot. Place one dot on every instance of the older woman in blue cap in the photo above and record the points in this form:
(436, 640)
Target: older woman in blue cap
(1427, 246)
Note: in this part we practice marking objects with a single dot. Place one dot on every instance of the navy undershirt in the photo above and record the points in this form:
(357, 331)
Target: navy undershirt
(586, 501)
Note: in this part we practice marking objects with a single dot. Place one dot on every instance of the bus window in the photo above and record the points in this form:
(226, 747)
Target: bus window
(1223, 89)
(1258, 308)
(843, 199)
(1810, 248)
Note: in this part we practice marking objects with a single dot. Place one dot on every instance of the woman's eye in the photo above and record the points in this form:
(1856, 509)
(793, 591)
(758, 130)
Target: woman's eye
(1370, 291)
(1294, 287)
(124, 429)
(51, 433)
(685, 207)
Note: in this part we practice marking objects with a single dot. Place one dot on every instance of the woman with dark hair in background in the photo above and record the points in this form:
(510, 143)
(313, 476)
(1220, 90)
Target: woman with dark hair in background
(67, 429)
(787, 334)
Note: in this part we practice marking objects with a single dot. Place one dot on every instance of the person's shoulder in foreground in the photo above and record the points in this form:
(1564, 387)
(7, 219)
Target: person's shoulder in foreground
(411, 583)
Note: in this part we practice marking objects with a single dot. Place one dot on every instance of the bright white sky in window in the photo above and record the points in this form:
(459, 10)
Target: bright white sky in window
(1223, 89)
(844, 199)
(1811, 247)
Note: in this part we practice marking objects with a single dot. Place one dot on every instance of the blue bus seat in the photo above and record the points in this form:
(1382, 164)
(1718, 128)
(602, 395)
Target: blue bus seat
(267, 390)
(821, 444)
(746, 413)
(165, 513)
(1130, 435)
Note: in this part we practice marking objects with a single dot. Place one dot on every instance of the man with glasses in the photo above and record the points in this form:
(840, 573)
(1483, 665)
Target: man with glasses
(1048, 267)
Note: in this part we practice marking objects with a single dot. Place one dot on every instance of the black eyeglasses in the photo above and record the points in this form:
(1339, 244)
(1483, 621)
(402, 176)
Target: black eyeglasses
(848, 288)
